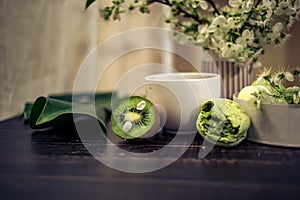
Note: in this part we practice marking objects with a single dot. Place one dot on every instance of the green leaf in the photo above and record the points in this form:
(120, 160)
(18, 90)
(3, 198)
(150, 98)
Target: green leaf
(88, 3)
(27, 111)
(48, 112)
(59, 109)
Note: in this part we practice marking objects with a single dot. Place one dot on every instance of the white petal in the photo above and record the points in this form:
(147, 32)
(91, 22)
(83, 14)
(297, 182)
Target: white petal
(247, 7)
(267, 3)
(297, 4)
(257, 64)
(289, 76)
(277, 27)
(218, 34)
(231, 22)
(219, 20)
(246, 33)
(276, 80)
(203, 5)
(226, 52)
(235, 3)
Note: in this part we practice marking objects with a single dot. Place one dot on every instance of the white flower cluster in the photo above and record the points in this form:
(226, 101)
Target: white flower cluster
(243, 28)
(271, 89)
(237, 31)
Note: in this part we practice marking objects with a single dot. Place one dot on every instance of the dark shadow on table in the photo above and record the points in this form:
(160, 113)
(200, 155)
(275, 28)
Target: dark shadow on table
(65, 140)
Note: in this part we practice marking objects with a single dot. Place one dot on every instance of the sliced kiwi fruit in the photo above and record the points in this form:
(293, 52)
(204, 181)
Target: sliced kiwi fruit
(135, 117)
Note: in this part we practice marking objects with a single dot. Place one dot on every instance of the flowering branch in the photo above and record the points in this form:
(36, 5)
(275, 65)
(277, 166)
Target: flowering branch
(249, 16)
(272, 90)
(237, 32)
(180, 10)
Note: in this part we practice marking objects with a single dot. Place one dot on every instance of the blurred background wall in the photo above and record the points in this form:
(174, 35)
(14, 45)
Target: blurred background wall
(44, 42)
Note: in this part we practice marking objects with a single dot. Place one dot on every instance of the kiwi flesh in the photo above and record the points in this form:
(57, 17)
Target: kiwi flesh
(135, 117)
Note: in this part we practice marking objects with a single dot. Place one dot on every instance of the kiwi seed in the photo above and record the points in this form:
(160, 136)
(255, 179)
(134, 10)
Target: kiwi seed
(127, 126)
(141, 105)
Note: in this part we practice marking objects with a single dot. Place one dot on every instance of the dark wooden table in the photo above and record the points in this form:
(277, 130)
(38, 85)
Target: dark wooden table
(54, 164)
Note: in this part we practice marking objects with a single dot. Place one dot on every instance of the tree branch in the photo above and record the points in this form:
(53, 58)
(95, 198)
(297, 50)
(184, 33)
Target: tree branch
(248, 17)
(212, 3)
(181, 10)
(257, 3)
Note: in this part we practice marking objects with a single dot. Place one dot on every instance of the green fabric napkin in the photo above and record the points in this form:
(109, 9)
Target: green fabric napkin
(58, 109)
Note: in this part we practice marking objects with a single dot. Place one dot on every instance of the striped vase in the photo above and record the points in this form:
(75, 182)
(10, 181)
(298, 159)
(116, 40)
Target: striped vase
(234, 78)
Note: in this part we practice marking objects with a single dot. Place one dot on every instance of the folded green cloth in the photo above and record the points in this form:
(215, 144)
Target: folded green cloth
(58, 109)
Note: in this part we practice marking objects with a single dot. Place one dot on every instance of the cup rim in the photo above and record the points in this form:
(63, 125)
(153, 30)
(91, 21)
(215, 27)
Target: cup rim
(183, 76)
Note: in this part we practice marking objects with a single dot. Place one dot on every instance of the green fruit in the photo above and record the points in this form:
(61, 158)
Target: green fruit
(247, 92)
(267, 92)
(135, 117)
(254, 93)
(223, 122)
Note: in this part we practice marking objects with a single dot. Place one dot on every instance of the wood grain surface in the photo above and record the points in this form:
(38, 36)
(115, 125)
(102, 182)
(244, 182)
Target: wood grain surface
(54, 164)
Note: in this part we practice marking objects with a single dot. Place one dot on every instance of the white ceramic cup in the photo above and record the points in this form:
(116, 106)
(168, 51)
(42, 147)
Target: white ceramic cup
(178, 97)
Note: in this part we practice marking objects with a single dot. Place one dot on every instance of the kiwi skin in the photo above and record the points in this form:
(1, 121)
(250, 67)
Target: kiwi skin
(144, 127)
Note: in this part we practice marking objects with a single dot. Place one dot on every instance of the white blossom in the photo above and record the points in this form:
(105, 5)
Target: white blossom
(232, 50)
(291, 22)
(297, 4)
(217, 45)
(237, 34)
(289, 76)
(220, 22)
(271, 4)
(296, 98)
(235, 3)
(285, 8)
(203, 33)
(237, 30)
(276, 80)
(277, 27)
(246, 38)
(226, 52)
(240, 59)
(257, 64)
(267, 3)
(231, 22)
(203, 4)
(247, 6)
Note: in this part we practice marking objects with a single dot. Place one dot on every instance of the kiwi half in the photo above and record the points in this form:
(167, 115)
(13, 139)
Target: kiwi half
(135, 117)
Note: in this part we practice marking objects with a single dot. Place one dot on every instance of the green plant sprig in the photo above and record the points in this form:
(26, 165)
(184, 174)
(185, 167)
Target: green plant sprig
(277, 91)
